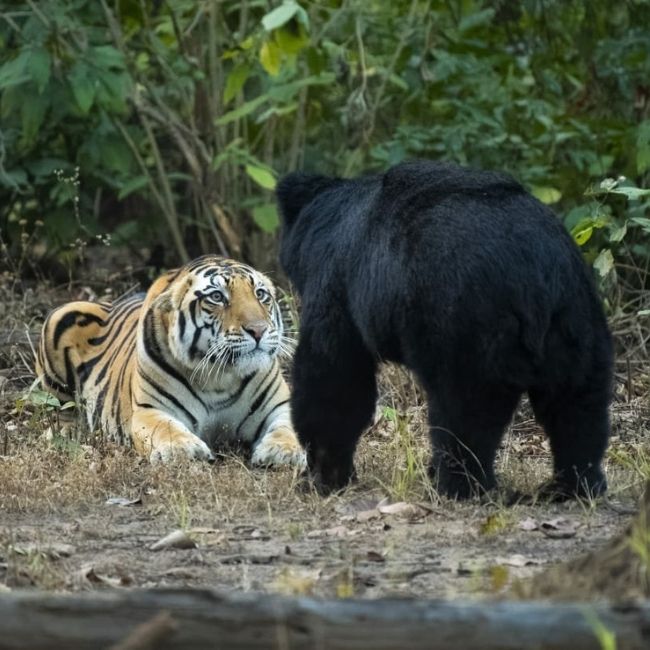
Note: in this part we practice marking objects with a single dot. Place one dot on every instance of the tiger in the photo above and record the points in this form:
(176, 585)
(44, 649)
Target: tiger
(189, 366)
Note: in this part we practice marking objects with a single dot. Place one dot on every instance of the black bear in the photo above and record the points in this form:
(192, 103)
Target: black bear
(468, 280)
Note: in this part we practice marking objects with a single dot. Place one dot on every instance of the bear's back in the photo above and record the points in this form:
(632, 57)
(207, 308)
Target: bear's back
(423, 183)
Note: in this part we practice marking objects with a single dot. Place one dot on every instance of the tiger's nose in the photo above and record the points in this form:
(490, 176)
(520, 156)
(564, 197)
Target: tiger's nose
(256, 329)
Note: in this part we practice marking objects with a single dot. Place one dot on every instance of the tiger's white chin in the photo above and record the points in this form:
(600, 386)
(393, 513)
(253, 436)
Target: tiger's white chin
(252, 362)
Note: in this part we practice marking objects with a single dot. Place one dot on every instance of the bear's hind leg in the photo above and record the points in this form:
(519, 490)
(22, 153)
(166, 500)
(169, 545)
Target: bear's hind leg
(577, 424)
(466, 428)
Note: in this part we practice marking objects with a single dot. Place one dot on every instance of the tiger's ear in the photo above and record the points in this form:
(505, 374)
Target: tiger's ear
(269, 284)
(297, 190)
(163, 302)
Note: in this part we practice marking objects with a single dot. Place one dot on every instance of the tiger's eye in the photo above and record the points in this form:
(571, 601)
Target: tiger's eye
(261, 293)
(216, 297)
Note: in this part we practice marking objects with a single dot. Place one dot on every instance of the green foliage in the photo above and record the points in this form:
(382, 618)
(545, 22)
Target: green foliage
(192, 109)
(613, 225)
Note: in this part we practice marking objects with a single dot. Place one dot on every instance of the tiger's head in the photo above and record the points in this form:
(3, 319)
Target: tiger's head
(219, 316)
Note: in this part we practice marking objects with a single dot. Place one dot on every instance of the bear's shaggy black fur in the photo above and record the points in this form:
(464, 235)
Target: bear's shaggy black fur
(472, 283)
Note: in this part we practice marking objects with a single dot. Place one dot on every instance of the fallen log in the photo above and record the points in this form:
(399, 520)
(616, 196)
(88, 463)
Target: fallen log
(204, 618)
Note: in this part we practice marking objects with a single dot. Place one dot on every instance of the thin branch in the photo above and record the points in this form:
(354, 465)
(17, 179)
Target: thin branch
(391, 68)
(172, 219)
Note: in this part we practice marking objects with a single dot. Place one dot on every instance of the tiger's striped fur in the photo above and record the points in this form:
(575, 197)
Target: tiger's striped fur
(191, 364)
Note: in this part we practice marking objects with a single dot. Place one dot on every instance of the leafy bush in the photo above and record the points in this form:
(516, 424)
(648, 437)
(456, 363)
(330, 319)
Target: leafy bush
(169, 121)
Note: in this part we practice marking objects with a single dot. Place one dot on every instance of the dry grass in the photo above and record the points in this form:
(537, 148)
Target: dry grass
(258, 530)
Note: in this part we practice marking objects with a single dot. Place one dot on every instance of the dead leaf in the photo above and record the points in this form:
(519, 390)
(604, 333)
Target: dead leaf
(517, 560)
(87, 574)
(123, 501)
(403, 509)
(367, 515)
(176, 539)
(373, 556)
(560, 527)
(528, 524)
(247, 532)
(207, 536)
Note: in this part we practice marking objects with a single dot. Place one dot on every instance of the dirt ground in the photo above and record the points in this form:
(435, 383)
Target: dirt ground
(80, 514)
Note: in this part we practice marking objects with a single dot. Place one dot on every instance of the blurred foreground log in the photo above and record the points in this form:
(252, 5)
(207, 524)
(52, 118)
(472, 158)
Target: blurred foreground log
(201, 618)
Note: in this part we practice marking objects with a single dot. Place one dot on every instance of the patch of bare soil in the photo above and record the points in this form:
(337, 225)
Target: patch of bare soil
(79, 513)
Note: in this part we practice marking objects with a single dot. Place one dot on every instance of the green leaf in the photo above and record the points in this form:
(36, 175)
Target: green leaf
(43, 168)
(115, 154)
(106, 56)
(390, 413)
(133, 185)
(643, 147)
(83, 87)
(583, 236)
(618, 233)
(280, 15)
(271, 58)
(632, 193)
(262, 176)
(39, 67)
(285, 92)
(396, 80)
(14, 72)
(290, 41)
(32, 114)
(277, 110)
(475, 19)
(601, 165)
(42, 398)
(643, 222)
(583, 230)
(546, 194)
(604, 263)
(14, 178)
(282, 92)
(266, 217)
(112, 90)
(242, 111)
(235, 82)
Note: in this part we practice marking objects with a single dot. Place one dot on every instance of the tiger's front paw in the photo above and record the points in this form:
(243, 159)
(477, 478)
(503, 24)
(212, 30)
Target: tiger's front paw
(185, 446)
(279, 447)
